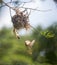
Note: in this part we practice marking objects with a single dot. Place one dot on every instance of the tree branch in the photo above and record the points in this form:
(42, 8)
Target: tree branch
(8, 5)
(26, 8)
(36, 9)
(14, 2)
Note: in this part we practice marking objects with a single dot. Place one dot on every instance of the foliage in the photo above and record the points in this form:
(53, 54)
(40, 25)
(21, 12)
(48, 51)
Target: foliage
(13, 51)
(46, 41)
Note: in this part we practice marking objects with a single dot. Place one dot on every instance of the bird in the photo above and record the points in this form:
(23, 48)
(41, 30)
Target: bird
(29, 44)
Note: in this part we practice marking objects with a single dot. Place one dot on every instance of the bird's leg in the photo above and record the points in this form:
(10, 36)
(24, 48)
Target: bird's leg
(16, 33)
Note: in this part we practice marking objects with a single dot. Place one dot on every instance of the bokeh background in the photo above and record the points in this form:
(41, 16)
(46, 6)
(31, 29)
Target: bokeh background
(44, 52)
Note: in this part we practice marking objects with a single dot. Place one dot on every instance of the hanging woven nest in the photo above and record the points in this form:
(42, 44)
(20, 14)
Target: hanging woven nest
(20, 21)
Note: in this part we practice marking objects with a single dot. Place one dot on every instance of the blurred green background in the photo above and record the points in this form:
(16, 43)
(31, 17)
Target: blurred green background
(44, 52)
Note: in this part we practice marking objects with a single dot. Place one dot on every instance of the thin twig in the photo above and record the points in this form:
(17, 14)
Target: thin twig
(9, 6)
(14, 2)
(4, 4)
(35, 29)
(26, 8)
(36, 9)
(10, 12)
(29, 13)
(23, 3)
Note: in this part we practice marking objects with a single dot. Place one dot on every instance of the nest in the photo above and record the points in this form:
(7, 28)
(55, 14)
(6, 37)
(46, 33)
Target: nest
(20, 21)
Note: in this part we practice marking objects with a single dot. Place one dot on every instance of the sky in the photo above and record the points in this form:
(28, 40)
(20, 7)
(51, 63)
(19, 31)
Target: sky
(36, 17)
